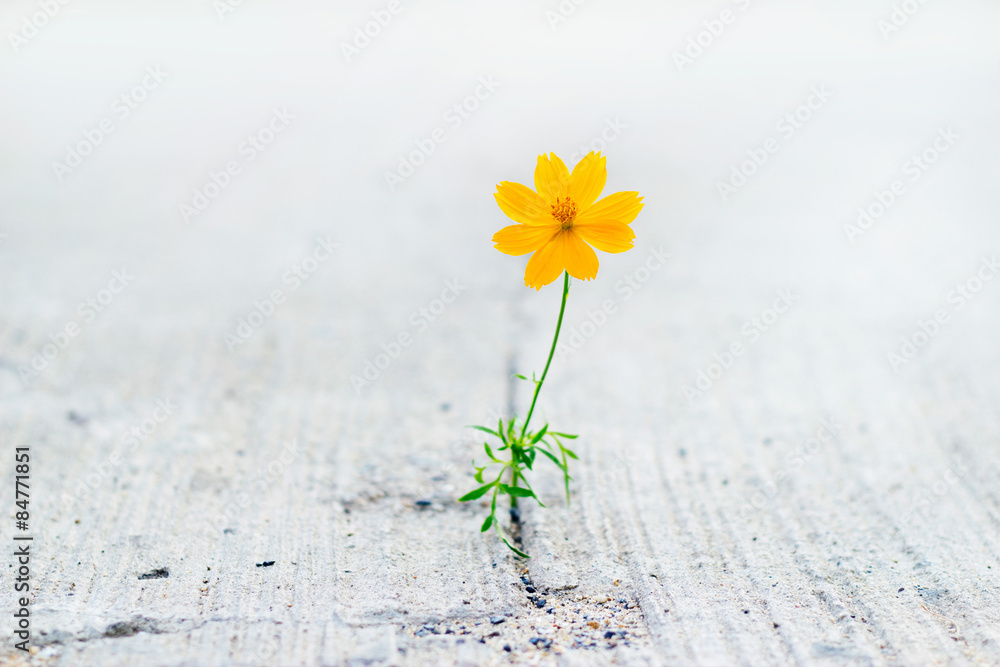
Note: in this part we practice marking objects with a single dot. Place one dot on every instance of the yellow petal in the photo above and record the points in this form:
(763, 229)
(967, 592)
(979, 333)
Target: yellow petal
(619, 207)
(522, 204)
(578, 257)
(551, 177)
(546, 264)
(522, 239)
(587, 180)
(608, 236)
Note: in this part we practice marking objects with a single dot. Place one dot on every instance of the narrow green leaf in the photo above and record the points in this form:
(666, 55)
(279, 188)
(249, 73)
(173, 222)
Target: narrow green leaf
(520, 377)
(540, 434)
(569, 452)
(565, 435)
(489, 452)
(513, 548)
(519, 491)
(485, 430)
(478, 493)
(487, 524)
(529, 458)
(551, 456)
(499, 432)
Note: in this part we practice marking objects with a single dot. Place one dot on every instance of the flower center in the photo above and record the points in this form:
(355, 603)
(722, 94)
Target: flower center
(564, 210)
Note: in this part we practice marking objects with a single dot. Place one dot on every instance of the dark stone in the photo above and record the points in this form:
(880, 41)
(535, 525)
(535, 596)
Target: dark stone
(540, 602)
(267, 563)
(423, 503)
(530, 589)
(496, 620)
(159, 573)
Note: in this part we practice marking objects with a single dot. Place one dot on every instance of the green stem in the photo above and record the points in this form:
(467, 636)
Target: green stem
(538, 387)
(513, 481)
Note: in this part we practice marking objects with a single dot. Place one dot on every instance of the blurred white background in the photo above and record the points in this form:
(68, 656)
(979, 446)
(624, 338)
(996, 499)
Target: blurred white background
(564, 73)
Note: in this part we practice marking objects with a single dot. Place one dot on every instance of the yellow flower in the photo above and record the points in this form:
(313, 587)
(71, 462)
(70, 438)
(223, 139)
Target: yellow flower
(559, 218)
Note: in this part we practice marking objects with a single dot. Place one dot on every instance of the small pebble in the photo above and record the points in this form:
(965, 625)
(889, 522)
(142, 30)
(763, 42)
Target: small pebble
(506, 647)
(530, 589)
(540, 603)
(495, 620)
(423, 503)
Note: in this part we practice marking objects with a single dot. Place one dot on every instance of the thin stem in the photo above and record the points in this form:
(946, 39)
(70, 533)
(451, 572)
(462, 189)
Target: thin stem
(538, 387)
(513, 480)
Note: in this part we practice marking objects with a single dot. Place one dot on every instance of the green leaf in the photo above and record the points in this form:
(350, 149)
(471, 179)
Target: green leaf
(569, 452)
(513, 548)
(519, 491)
(478, 493)
(479, 474)
(551, 456)
(510, 428)
(499, 432)
(485, 430)
(520, 377)
(487, 524)
(565, 435)
(489, 452)
(529, 457)
(540, 434)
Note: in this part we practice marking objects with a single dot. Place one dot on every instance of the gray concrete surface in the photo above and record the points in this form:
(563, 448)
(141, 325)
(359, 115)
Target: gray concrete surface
(807, 504)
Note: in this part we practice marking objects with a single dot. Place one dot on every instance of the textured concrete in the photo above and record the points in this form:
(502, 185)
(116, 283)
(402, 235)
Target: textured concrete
(806, 504)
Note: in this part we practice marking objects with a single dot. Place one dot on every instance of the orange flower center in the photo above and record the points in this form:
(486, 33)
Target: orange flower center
(564, 210)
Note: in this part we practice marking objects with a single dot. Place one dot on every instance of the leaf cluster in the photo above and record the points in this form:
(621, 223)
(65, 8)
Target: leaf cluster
(517, 453)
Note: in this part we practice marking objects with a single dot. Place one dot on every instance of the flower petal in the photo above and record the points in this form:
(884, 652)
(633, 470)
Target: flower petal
(579, 258)
(551, 177)
(546, 264)
(522, 204)
(587, 180)
(609, 236)
(619, 207)
(522, 239)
